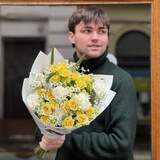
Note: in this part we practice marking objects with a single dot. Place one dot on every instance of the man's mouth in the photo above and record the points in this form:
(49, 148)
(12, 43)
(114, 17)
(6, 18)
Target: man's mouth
(94, 47)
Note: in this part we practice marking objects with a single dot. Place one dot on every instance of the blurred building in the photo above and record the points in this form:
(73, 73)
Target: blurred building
(24, 30)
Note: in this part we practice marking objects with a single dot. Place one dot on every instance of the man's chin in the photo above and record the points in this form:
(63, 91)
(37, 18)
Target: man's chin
(94, 54)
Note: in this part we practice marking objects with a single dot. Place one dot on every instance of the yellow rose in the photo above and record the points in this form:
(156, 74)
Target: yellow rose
(72, 105)
(82, 118)
(91, 112)
(79, 112)
(53, 105)
(46, 109)
(68, 122)
(49, 107)
(65, 107)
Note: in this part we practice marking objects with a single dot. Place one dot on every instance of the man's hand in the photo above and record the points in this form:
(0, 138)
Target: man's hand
(52, 144)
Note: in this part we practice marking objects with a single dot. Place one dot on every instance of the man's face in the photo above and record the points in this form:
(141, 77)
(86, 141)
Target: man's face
(90, 39)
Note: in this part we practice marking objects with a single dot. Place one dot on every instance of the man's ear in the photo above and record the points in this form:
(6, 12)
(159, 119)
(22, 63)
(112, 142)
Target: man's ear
(71, 37)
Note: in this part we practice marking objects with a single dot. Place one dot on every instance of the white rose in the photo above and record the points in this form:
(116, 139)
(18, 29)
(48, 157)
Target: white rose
(83, 101)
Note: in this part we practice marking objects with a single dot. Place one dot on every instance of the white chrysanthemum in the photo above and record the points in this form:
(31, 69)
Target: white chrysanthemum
(33, 101)
(60, 93)
(37, 80)
(100, 87)
(82, 100)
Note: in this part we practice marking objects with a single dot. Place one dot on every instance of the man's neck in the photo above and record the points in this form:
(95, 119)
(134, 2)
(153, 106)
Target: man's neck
(81, 55)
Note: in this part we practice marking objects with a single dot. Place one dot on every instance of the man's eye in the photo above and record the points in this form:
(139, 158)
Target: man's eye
(102, 31)
(86, 31)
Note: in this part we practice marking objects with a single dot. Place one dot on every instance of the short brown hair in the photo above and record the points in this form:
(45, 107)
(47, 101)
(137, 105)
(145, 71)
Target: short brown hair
(88, 14)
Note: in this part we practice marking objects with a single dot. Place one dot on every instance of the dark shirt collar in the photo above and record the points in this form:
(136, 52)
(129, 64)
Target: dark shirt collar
(93, 63)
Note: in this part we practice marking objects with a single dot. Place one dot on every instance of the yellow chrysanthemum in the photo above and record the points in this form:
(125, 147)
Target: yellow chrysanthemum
(58, 67)
(91, 112)
(55, 79)
(44, 120)
(68, 122)
(65, 73)
(81, 84)
(66, 81)
(82, 118)
(87, 78)
(75, 76)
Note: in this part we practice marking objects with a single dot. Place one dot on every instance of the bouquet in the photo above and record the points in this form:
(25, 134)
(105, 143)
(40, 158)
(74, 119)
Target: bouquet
(61, 97)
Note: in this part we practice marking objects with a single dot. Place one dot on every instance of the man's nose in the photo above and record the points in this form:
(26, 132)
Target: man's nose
(94, 35)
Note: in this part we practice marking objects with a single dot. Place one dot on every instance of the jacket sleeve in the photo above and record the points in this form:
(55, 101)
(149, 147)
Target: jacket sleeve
(117, 139)
(38, 135)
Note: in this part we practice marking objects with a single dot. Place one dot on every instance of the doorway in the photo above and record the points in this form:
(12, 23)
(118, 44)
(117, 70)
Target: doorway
(19, 54)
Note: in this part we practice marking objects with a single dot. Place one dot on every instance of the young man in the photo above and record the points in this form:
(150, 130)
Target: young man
(111, 135)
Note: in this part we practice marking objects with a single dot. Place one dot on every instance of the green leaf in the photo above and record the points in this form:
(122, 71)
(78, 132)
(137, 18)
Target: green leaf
(78, 63)
(52, 56)
(49, 76)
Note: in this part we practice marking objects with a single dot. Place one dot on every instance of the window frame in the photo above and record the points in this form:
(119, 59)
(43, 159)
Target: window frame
(155, 53)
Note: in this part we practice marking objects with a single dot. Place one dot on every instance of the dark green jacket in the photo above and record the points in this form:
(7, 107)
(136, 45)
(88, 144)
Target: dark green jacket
(111, 135)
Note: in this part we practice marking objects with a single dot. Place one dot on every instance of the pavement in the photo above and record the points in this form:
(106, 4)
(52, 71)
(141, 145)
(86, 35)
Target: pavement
(20, 147)
(29, 156)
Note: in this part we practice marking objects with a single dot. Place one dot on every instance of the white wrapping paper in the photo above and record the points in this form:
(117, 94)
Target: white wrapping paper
(41, 62)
